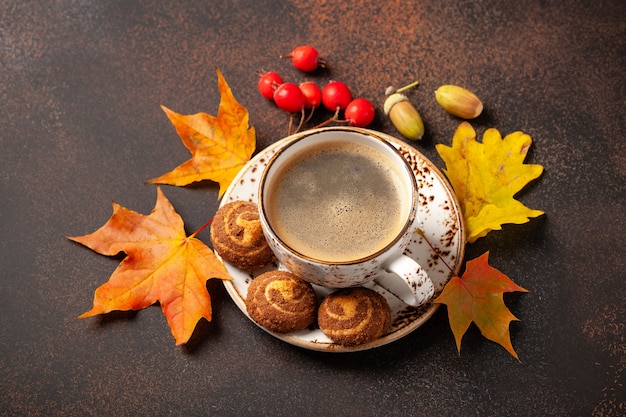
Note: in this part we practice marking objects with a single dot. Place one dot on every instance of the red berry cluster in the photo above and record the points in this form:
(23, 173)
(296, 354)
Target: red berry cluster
(335, 96)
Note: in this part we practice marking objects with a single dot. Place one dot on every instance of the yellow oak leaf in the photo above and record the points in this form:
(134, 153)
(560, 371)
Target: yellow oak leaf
(486, 176)
(477, 297)
(220, 146)
(162, 265)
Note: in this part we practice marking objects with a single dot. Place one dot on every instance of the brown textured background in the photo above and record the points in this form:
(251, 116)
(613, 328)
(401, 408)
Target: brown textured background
(80, 125)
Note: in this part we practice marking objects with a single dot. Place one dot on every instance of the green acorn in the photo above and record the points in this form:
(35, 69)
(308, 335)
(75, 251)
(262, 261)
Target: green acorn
(404, 116)
(458, 101)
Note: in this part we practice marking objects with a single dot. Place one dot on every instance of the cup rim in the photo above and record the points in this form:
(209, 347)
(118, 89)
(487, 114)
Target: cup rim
(297, 138)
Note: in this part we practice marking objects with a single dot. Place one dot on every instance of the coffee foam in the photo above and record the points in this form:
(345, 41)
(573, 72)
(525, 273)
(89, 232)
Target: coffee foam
(339, 202)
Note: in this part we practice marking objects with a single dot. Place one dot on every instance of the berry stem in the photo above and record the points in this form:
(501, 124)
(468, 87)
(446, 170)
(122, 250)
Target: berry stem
(308, 118)
(334, 119)
(204, 226)
(290, 124)
(301, 120)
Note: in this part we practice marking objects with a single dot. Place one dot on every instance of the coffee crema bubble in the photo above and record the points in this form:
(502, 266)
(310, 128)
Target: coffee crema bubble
(339, 202)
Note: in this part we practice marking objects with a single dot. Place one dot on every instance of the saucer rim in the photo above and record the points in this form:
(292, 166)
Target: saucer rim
(419, 318)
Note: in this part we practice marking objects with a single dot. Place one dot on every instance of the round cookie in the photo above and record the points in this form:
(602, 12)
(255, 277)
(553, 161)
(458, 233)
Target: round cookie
(353, 316)
(236, 235)
(281, 302)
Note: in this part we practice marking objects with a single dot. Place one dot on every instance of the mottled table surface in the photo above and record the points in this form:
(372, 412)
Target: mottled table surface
(81, 84)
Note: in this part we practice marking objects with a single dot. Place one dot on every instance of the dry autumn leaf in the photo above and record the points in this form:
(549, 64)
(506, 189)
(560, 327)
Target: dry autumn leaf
(162, 264)
(486, 176)
(478, 297)
(220, 146)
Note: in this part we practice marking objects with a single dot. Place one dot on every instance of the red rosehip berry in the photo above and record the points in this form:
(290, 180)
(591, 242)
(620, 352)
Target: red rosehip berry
(305, 58)
(336, 94)
(289, 97)
(268, 83)
(312, 94)
(360, 112)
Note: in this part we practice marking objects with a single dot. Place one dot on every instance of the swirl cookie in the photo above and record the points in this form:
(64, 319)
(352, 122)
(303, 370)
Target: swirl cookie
(281, 302)
(237, 237)
(353, 316)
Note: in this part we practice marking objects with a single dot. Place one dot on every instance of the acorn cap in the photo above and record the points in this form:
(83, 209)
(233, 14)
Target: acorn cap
(392, 100)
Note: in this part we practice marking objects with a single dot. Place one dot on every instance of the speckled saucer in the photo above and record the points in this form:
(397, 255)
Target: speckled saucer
(439, 218)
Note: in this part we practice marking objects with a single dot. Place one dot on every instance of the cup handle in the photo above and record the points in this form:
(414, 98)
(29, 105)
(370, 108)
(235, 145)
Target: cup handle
(409, 281)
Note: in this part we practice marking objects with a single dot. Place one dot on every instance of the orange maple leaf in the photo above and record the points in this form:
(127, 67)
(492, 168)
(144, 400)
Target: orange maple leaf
(162, 264)
(220, 146)
(478, 297)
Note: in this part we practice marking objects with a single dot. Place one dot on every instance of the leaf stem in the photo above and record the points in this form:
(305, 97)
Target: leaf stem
(204, 226)
(435, 250)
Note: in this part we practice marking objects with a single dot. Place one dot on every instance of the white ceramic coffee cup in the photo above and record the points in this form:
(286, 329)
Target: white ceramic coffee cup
(402, 275)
